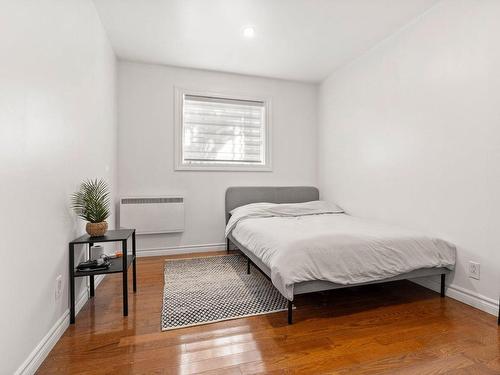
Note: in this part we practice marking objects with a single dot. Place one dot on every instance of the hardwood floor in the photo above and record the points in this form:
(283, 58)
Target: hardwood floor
(395, 328)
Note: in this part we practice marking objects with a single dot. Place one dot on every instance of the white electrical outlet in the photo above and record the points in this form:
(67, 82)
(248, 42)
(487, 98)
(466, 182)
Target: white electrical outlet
(59, 286)
(474, 270)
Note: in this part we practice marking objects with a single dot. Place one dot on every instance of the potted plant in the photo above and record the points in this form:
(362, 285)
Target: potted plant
(92, 204)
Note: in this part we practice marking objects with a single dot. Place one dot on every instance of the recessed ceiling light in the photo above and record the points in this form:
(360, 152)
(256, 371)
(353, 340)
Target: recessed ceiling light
(248, 32)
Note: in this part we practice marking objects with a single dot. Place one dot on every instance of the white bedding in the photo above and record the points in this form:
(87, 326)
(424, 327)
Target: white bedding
(334, 247)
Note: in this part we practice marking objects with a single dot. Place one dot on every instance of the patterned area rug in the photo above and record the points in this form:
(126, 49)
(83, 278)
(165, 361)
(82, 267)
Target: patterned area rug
(211, 289)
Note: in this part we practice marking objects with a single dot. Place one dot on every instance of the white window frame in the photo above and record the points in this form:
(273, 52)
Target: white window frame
(179, 134)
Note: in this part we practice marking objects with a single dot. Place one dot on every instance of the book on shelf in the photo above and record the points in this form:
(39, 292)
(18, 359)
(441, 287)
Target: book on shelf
(93, 265)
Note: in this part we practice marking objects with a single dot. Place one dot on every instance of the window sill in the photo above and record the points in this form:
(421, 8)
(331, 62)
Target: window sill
(223, 168)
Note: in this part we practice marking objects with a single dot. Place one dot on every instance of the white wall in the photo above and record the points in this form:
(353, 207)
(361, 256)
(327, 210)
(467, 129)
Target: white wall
(146, 139)
(57, 127)
(410, 134)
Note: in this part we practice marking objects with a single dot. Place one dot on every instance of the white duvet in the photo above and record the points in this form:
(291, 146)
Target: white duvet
(308, 241)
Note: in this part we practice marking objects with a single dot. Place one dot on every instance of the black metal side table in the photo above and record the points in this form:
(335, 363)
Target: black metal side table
(117, 265)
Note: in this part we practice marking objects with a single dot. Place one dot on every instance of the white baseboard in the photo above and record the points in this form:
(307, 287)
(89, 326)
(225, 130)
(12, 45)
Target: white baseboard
(184, 249)
(38, 355)
(466, 296)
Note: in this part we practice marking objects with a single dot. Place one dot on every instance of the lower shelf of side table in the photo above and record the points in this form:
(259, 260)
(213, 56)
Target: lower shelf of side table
(115, 267)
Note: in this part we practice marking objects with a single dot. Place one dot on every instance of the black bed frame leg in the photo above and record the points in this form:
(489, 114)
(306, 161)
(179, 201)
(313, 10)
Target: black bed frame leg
(248, 266)
(290, 312)
(443, 283)
(227, 245)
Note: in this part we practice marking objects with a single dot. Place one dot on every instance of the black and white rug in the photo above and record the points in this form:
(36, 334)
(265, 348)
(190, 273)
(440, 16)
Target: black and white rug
(211, 289)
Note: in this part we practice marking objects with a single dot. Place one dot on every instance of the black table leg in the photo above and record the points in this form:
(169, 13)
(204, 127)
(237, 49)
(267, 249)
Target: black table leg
(72, 284)
(91, 278)
(134, 272)
(125, 286)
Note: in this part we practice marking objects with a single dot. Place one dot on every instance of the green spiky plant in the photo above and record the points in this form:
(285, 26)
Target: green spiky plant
(92, 201)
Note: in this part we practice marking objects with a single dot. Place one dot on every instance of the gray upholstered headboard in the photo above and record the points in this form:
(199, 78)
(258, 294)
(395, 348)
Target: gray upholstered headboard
(240, 195)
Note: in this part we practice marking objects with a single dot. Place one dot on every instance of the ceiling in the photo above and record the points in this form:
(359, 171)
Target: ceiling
(301, 40)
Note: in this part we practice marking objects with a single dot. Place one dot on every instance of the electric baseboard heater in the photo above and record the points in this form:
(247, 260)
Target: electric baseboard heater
(149, 215)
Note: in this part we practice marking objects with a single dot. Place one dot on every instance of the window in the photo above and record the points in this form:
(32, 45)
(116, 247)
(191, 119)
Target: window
(221, 132)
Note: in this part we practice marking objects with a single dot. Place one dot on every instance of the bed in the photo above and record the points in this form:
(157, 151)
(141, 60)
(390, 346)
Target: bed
(322, 248)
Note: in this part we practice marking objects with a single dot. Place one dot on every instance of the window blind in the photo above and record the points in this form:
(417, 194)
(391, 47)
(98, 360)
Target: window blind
(223, 131)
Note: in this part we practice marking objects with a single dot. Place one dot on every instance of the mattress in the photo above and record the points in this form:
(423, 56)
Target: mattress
(338, 248)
